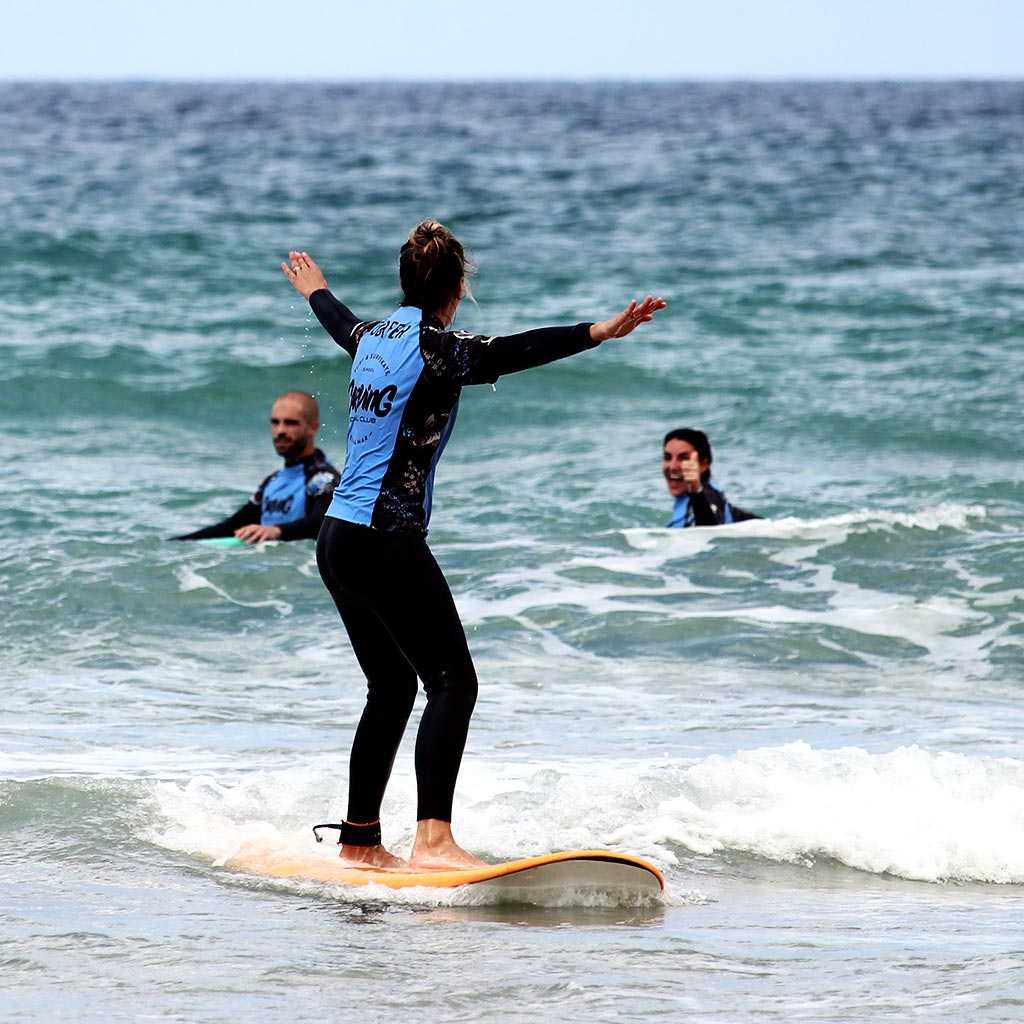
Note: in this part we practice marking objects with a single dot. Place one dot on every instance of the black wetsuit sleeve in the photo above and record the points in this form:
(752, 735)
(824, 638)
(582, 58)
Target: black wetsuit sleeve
(335, 318)
(708, 508)
(475, 359)
(308, 527)
(248, 513)
(740, 515)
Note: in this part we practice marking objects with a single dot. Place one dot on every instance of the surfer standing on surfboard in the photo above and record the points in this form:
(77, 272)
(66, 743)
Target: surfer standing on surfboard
(407, 374)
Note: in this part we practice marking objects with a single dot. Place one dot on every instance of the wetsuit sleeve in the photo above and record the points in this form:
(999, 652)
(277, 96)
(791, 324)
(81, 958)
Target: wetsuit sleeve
(708, 507)
(476, 359)
(740, 515)
(335, 318)
(248, 513)
(308, 526)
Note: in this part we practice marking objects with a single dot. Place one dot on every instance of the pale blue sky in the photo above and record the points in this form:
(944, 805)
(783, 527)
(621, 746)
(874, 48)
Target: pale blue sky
(481, 39)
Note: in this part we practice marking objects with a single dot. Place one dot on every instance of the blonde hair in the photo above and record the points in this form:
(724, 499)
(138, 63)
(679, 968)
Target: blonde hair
(431, 267)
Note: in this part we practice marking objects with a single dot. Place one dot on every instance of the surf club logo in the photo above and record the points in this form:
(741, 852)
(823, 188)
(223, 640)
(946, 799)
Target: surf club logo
(364, 398)
(278, 506)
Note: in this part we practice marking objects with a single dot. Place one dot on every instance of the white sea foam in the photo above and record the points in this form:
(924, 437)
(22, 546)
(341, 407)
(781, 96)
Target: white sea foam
(190, 580)
(947, 515)
(267, 818)
(813, 587)
(909, 813)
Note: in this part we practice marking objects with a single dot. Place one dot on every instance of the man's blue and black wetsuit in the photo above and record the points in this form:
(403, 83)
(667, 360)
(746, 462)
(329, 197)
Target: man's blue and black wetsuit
(295, 498)
(706, 508)
(407, 374)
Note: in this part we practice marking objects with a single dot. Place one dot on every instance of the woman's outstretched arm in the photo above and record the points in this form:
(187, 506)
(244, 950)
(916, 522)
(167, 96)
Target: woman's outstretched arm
(308, 280)
(635, 314)
(478, 359)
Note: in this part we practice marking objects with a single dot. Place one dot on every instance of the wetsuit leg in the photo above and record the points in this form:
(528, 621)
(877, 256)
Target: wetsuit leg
(390, 695)
(401, 619)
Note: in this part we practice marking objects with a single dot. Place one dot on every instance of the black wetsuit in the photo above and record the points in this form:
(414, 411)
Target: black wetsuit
(708, 507)
(407, 374)
(294, 498)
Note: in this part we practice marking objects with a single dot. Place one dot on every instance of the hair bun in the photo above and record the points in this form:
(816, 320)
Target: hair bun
(432, 266)
(426, 232)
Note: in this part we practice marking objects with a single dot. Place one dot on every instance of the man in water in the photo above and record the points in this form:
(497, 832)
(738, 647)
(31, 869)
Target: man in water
(290, 504)
(686, 463)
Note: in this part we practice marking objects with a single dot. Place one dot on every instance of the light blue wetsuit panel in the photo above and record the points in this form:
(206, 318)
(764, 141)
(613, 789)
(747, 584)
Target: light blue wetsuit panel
(386, 367)
(680, 514)
(284, 496)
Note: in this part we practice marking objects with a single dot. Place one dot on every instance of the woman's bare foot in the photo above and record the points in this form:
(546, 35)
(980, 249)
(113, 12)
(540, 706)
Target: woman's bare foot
(435, 849)
(371, 857)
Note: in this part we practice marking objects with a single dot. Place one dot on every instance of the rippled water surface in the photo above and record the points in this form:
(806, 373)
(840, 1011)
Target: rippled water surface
(811, 723)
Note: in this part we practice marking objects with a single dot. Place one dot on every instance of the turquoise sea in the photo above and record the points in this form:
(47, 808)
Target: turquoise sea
(813, 724)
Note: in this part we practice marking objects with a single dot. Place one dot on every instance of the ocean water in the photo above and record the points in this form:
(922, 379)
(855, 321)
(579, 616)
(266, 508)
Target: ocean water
(812, 724)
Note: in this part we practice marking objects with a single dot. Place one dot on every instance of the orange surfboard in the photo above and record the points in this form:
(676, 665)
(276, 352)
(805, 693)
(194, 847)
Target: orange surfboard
(575, 870)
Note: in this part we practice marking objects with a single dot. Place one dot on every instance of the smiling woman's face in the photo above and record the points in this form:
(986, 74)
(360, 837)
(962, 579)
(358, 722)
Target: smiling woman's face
(678, 462)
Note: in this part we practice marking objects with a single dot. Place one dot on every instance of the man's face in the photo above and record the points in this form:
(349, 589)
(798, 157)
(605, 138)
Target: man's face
(681, 467)
(293, 435)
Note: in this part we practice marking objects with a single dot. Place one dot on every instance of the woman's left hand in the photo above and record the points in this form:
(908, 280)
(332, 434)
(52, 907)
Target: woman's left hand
(635, 314)
(306, 277)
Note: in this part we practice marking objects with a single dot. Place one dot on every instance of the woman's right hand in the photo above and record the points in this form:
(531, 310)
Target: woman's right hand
(635, 314)
(306, 277)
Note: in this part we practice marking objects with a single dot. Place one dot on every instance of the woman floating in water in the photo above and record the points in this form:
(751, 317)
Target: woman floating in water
(686, 463)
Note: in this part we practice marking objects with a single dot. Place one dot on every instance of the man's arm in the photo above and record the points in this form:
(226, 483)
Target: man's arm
(249, 513)
(308, 526)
